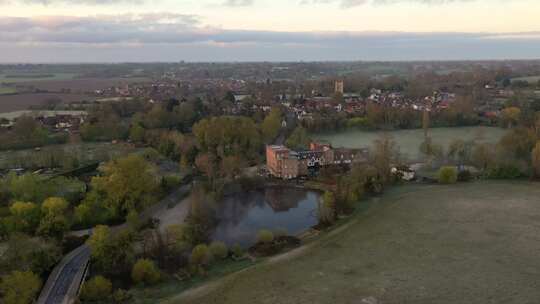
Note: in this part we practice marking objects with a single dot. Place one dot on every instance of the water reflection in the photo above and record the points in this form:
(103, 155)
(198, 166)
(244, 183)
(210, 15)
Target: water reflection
(241, 216)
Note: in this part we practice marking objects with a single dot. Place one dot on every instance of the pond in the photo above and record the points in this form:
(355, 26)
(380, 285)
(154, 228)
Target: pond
(409, 140)
(241, 216)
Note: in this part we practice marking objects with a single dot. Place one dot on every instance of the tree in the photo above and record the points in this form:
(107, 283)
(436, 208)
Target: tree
(219, 250)
(20, 287)
(27, 216)
(54, 206)
(483, 155)
(511, 116)
(93, 210)
(112, 253)
(206, 163)
(460, 151)
(425, 123)
(299, 139)
(136, 133)
(351, 187)
(225, 135)
(96, 289)
(448, 175)
(231, 166)
(28, 187)
(384, 154)
(145, 271)
(25, 127)
(518, 143)
(200, 255)
(25, 253)
(99, 240)
(271, 125)
(265, 236)
(431, 150)
(128, 183)
(327, 210)
(535, 160)
(201, 218)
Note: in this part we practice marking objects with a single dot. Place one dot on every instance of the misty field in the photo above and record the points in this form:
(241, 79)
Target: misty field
(83, 85)
(468, 243)
(409, 140)
(529, 79)
(25, 77)
(17, 102)
(7, 90)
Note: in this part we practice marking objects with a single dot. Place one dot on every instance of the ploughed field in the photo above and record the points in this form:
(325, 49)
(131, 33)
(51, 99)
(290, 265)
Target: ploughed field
(18, 102)
(468, 243)
(409, 140)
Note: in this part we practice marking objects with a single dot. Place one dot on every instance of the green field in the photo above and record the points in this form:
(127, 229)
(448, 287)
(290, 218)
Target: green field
(7, 90)
(5, 78)
(468, 243)
(529, 79)
(85, 152)
(409, 140)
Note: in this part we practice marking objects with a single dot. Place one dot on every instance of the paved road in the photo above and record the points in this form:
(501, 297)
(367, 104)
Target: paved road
(60, 283)
(63, 276)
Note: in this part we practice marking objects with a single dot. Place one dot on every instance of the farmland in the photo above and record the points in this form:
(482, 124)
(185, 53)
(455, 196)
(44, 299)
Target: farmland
(82, 85)
(17, 78)
(468, 243)
(7, 90)
(85, 152)
(9, 103)
(409, 140)
(529, 79)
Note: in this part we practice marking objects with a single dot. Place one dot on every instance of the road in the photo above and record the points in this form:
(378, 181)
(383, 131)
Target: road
(290, 118)
(61, 286)
(61, 280)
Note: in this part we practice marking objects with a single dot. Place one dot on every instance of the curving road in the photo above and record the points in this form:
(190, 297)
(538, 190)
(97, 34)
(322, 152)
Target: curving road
(63, 283)
(62, 286)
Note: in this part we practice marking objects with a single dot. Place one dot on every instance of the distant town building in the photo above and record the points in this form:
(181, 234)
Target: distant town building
(56, 120)
(339, 87)
(285, 163)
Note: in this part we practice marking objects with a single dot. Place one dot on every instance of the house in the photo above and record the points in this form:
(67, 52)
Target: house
(285, 163)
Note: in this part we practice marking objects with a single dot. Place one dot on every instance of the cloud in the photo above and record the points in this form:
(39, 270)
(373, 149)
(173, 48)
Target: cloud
(237, 3)
(180, 28)
(355, 3)
(168, 36)
(70, 2)
(149, 28)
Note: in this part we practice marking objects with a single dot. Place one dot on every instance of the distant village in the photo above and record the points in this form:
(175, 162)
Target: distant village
(301, 105)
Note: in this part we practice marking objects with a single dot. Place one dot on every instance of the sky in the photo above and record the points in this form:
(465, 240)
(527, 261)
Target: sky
(267, 30)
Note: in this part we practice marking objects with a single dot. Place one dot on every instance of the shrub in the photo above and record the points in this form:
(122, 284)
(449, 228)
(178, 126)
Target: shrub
(237, 251)
(464, 176)
(145, 271)
(133, 220)
(97, 288)
(200, 255)
(448, 175)
(170, 182)
(121, 296)
(19, 287)
(327, 210)
(265, 236)
(504, 172)
(281, 232)
(219, 250)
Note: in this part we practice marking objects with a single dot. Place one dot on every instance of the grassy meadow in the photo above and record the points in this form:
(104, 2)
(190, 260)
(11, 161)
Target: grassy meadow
(409, 140)
(467, 243)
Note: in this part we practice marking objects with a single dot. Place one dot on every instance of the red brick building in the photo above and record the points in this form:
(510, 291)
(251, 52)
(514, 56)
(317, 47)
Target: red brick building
(285, 163)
